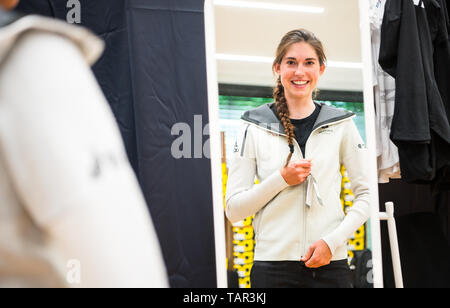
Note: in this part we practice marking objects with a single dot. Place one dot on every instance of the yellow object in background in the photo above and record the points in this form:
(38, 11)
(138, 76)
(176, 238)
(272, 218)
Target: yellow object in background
(241, 258)
(243, 246)
(244, 282)
(243, 270)
(358, 240)
(241, 234)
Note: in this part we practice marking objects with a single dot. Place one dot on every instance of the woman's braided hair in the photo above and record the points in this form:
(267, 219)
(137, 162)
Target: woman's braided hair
(290, 38)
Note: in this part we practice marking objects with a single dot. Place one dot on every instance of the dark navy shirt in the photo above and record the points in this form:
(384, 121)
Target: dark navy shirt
(303, 128)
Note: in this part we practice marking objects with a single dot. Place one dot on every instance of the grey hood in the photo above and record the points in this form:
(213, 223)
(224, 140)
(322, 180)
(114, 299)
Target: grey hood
(13, 26)
(7, 18)
(264, 117)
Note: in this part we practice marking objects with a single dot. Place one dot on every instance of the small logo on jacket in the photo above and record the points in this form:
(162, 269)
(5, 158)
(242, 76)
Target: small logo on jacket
(325, 130)
(236, 147)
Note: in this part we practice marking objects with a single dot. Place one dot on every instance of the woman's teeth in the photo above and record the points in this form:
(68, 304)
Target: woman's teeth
(300, 83)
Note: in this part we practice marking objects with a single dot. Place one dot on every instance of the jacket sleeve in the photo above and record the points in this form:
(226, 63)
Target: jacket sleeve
(243, 197)
(353, 153)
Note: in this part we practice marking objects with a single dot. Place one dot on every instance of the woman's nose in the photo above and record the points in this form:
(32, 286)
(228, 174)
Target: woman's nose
(299, 70)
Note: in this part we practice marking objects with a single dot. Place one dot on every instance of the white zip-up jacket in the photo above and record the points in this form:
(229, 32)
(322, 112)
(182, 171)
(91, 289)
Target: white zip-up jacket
(288, 219)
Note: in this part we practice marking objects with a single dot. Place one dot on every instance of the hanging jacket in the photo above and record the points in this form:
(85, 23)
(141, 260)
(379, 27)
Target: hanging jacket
(384, 99)
(288, 219)
(440, 27)
(446, 8)
(420, 127)
(438, 19)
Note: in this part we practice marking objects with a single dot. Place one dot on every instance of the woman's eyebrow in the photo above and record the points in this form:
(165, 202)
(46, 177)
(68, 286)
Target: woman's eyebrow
(293, 58)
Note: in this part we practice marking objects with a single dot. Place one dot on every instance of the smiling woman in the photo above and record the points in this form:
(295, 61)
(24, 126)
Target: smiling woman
(307, 247)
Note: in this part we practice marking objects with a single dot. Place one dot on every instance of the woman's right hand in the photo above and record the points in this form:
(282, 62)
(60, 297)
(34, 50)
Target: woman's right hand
(296, 172)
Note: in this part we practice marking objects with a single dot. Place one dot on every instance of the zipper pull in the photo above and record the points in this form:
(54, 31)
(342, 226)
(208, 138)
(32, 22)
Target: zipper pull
(312, 188)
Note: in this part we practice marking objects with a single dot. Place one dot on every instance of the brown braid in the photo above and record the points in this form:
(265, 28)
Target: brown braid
(292, 37)
(283, 114)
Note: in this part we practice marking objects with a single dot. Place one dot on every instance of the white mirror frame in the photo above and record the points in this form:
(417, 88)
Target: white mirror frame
(369, 119)
(215, 144)
(216, 172)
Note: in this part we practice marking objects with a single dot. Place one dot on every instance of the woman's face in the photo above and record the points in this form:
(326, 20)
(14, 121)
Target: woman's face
(299, 71)
(8, 4)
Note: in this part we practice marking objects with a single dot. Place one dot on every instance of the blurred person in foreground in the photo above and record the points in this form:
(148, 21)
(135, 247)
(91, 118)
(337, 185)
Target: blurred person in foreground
(71, 211)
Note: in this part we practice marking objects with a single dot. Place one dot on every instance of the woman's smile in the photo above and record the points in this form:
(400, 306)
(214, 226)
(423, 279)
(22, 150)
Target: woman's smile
(300, 84)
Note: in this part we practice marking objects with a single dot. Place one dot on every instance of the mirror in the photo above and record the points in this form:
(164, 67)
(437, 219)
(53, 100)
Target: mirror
(247, 34)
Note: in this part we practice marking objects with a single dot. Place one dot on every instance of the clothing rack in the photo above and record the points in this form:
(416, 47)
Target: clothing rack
(393, 241)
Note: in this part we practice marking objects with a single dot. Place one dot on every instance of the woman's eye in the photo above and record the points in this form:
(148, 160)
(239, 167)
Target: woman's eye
(310, 63)
(290, 62)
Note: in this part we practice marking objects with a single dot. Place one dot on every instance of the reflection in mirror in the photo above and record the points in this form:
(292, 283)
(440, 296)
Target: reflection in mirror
(312, 210)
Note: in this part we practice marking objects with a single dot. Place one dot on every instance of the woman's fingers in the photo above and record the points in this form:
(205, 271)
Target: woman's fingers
(303, 163)
(302, 166)
(318, 254)
(296, 172)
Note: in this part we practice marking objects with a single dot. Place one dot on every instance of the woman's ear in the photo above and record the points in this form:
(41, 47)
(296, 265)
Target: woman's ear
(276, 69)
(322, 69)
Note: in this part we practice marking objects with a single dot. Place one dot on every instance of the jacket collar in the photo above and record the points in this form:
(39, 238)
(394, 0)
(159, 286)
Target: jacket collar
(265, 118)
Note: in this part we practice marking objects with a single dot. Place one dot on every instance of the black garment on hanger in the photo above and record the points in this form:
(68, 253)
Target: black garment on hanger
(446, 5)
(420, 127)
(438, 19)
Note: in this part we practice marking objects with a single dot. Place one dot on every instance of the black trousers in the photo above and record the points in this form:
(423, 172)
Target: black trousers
(294, 274)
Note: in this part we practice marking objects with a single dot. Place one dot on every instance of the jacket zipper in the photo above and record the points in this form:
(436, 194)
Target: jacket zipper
(303, 237)
(305, 210)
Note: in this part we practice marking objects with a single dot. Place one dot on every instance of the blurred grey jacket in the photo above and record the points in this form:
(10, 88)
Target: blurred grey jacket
(26, 257)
